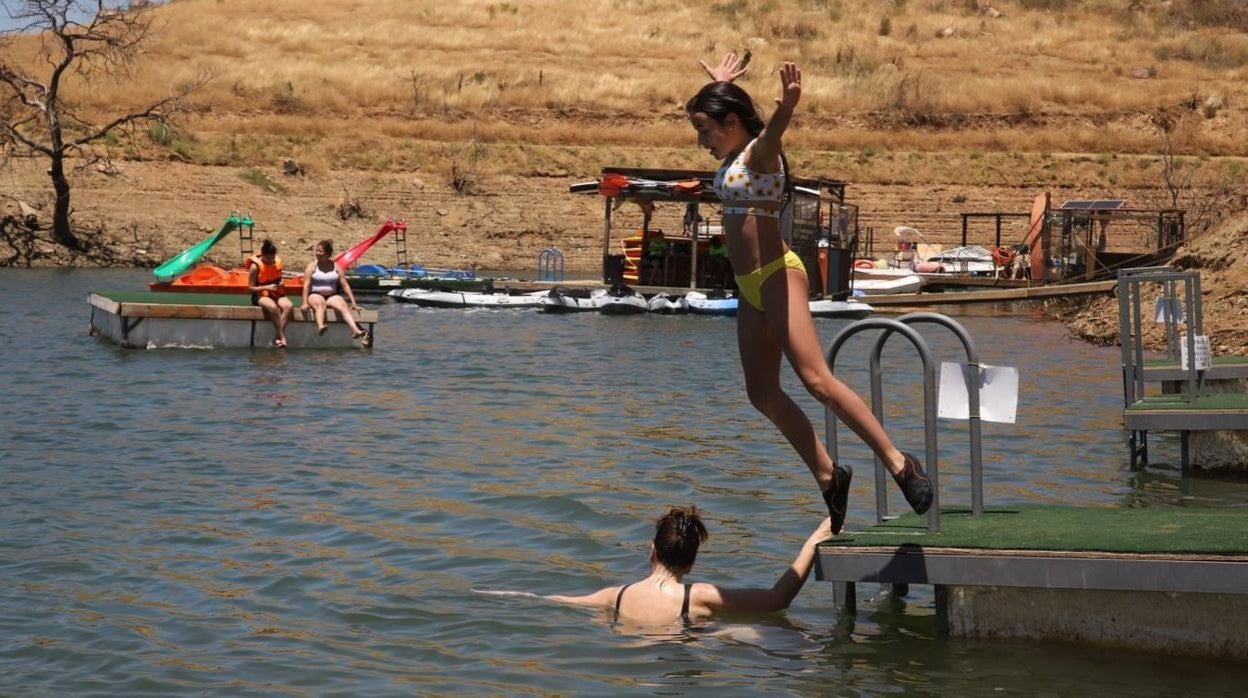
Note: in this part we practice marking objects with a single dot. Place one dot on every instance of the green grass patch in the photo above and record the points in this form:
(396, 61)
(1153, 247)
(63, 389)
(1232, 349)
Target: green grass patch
(1168, 530)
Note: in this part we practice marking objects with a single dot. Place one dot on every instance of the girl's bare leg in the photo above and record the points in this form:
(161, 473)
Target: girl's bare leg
(788, 318)
(760, 360)
(274, 314)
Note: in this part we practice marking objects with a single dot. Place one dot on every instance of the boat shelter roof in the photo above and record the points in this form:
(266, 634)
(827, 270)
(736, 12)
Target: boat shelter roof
(802, 185)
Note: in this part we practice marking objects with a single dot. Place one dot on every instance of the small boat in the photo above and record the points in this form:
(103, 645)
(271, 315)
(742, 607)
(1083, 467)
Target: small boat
(573, 300)
(468, 299)
(970, 260)
(714, 303)
(851, 309)
(905, 283)
(623, 300)
(668, 304)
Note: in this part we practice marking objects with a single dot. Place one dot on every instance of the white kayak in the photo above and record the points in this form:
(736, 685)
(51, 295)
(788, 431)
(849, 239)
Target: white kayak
(907, 283)
(573, 300)
(715, 304)
(469, 299)
(668, 304)
(850, 309)
(623, 300)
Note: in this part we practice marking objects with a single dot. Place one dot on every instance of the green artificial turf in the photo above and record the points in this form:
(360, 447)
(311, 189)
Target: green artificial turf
(1171, 530)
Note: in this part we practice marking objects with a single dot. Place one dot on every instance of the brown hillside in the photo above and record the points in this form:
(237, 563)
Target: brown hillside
(926, 107)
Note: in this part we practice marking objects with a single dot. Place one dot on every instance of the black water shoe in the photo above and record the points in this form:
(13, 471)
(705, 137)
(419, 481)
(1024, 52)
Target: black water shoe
(837, 495)
(914, 484)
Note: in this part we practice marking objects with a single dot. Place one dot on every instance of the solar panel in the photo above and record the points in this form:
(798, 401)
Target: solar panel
(1094, 204)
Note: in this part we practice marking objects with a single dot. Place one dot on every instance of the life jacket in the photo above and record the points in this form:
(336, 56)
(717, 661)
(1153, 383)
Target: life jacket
(269, 273)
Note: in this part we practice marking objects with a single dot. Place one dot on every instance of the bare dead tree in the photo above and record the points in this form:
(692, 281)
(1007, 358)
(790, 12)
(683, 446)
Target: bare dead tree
(86, 38)
(1206, 201)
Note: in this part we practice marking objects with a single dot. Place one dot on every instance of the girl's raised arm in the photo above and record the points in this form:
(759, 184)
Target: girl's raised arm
(765, 151)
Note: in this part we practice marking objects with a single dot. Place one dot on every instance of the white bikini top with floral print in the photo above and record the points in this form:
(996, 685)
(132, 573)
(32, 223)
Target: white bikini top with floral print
(745, 192)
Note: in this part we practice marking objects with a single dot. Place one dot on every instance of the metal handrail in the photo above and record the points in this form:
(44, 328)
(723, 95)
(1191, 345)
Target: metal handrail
(972, 392)
(929, 402)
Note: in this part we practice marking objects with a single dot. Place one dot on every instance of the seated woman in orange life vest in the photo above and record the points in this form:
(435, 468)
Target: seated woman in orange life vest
(324, 286)
(264, 280)
(663, 597)
(774, 319)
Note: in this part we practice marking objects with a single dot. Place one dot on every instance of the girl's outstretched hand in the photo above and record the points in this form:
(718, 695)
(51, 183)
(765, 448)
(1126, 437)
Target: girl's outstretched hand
(790, 85)
(730, 67)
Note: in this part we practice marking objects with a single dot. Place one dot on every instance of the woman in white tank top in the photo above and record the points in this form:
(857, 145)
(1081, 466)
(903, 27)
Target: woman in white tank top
(324, 285)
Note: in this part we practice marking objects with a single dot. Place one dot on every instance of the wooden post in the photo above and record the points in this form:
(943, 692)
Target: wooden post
(606, 236)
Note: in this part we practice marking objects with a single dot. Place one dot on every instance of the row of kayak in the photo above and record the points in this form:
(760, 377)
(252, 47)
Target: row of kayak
(619, 300)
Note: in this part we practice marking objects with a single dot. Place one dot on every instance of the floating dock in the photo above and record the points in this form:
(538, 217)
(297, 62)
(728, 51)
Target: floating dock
(1167, 579)
(144, 320)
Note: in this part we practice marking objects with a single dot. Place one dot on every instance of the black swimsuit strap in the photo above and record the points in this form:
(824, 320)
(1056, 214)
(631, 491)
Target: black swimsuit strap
(619, 596)
(684, 607)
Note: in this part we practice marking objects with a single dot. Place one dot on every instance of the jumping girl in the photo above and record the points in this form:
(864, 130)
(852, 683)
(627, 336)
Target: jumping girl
(774, 317)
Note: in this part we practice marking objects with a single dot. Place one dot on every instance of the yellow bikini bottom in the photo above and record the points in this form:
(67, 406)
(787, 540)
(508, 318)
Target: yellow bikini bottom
(751, 285)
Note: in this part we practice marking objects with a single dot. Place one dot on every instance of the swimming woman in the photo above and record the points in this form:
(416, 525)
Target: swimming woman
(774, 317)
(324, 286)
(664, 597)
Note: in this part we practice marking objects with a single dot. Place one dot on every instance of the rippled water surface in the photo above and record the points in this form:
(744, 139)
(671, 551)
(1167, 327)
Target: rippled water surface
(322, 523)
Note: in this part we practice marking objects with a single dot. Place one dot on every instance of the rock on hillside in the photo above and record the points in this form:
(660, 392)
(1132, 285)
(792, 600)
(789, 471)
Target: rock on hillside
(1221, 255)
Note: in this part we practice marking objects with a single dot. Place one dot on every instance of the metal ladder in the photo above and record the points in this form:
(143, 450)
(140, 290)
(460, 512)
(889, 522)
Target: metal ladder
(902, 326)
(550, 264)
(246, 236)
(400, 243)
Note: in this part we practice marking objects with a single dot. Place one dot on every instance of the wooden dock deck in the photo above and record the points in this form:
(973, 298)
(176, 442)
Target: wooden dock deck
(1088, 557)
(142, 319)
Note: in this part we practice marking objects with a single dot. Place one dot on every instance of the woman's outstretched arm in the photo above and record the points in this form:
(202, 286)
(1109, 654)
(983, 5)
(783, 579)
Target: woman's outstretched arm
(779, 596)
(602, 597)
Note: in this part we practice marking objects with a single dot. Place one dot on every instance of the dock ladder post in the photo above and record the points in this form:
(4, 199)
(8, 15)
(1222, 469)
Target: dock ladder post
(929, 403)
(1130, 337)
(550, 264)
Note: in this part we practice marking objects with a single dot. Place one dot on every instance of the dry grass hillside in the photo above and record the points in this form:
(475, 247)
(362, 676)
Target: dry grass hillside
(470, 117)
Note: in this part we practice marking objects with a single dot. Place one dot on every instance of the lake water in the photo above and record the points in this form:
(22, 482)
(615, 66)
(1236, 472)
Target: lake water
(322, 523)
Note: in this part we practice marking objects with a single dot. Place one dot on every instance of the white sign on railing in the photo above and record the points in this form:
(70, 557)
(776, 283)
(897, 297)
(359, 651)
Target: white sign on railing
(998, 392)
(1204, 356)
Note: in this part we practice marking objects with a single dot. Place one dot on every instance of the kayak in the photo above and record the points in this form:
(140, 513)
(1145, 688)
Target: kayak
(668, 304)
(718, 303)
(623, 300)
(851, 309)
(468, 299)
(573, 300)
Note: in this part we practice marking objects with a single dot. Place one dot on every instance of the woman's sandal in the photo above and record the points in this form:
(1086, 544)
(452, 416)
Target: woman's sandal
(837, 496)
(914, 484)
(359, 334)
(279, 343)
